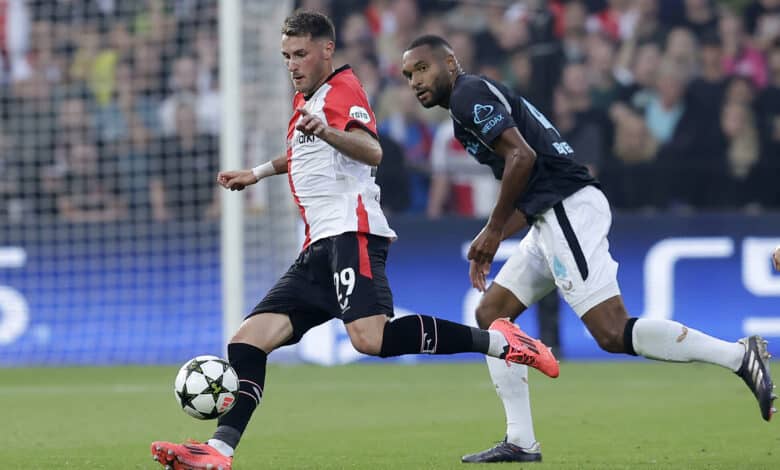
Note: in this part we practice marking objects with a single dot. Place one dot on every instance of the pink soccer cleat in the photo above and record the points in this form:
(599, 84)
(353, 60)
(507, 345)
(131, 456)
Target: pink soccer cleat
(526, 350)
(191, 455)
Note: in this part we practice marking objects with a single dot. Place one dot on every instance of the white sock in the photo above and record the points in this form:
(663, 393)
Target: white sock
(221, 446)
(668, 340)
(512, 387)
(497, 344)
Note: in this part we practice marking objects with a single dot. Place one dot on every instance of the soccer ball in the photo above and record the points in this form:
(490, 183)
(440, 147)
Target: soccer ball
(206, 387)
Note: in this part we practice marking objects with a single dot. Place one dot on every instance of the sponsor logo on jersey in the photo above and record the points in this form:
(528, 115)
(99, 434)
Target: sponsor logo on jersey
(482, 113)
(492, 123)
(360, 113)
(306, 139)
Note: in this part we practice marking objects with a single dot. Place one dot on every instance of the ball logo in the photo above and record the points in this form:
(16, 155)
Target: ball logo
(360, 113)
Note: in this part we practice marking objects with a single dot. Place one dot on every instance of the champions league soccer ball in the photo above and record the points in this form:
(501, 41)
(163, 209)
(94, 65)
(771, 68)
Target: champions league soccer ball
(206, 387)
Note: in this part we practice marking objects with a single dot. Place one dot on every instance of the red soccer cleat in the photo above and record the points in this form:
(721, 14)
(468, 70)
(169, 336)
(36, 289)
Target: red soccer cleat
(192, 455)
(526, 350)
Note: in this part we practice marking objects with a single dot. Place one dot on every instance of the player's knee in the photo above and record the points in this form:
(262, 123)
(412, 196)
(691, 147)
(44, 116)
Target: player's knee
(265, 331)
(486, 314)
(366, 343)
(610, 340)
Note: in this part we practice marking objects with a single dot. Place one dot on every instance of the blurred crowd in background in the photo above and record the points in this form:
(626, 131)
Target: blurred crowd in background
(672, 104)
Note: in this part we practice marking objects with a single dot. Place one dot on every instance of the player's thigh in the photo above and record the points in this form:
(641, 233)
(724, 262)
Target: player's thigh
(573, 238)
(522, 281)
(302, 296)
(361, 288)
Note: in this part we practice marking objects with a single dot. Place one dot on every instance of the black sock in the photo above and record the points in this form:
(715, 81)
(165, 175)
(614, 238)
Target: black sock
(249, 363)
(421, 334)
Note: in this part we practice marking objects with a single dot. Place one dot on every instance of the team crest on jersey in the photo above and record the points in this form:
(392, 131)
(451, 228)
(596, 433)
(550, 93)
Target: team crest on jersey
(360, 113)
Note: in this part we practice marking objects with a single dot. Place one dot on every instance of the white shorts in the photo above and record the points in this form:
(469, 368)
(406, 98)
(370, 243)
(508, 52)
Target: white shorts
(567, 248)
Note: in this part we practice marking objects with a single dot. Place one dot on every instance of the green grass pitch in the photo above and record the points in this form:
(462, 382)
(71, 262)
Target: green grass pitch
(626, 415)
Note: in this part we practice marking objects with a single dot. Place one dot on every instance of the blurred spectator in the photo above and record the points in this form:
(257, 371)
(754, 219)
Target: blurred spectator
(700, 17)
(182, 179)
(405, 125)
(357, 39)
(585, 136)
(638, 75)
(520, 76)
(130, 170)
(459, 184)
(758, 16)
(601, 71)
(666, 105)
(186, 86)
(648, 28)
(147, 83)
(11, 204)
(680, 50)
(764, 178)
(705, 93)
(617, 21)
(392, 177)
(741, 151)
(32, 126)
(740, 89)
(86, 195)
(14, 40)
(367, 70)
(398, 27)
(574, 31)
(739, 56)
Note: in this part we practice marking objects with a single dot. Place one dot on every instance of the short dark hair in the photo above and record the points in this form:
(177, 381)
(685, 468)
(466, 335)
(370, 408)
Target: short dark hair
(304, 22)
(430, 40)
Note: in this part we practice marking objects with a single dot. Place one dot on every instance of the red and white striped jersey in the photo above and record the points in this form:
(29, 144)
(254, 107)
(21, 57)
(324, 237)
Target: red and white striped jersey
(334, 193)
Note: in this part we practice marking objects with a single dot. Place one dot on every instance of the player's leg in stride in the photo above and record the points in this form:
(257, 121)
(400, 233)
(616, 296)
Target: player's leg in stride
(248, 350)
(511, 382)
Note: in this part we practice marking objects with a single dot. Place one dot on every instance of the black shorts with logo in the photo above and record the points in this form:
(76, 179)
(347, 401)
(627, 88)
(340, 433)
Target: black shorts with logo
(336, 277)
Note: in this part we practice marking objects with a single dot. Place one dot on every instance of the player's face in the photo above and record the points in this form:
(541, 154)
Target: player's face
(428, 76)
(308, 61)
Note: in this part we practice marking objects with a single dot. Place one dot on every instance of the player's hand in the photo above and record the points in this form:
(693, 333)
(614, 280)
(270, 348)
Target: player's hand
(776, 258)
(310, 124)
(484, 247)
(478, 274)
(236, 180)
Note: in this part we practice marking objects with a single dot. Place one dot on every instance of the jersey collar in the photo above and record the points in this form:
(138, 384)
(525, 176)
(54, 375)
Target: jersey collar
(335, 72)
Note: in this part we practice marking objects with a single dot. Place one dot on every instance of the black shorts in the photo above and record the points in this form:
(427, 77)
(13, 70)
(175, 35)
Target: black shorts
(336, 277)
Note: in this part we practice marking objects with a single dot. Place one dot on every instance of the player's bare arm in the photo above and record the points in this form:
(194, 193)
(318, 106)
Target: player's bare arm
(519, 157)
(355, 143)
(236, 180)
(517, 221)
(478, 272)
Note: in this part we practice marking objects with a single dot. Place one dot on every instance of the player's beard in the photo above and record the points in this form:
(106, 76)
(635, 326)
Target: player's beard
(440, 91)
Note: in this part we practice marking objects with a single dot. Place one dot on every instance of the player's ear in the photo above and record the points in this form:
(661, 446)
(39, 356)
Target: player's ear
(452, 64)
(329, 47)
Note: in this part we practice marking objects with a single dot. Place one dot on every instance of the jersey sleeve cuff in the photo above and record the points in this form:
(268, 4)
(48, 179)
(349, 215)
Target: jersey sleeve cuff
(360, 125)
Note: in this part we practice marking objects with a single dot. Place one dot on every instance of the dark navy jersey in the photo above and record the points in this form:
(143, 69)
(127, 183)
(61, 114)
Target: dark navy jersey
(482, 109)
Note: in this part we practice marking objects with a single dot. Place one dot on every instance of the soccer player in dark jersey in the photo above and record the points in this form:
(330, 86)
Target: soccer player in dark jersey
(566, 246)
(332, 150)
